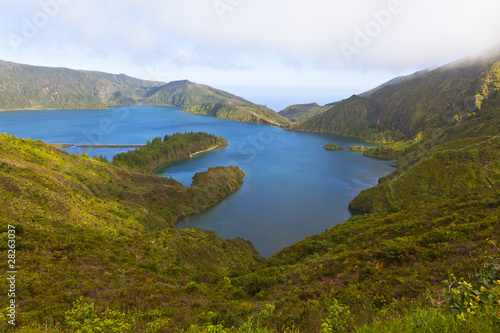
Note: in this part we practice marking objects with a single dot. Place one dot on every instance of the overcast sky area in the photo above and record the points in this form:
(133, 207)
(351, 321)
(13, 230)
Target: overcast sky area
(272, 52)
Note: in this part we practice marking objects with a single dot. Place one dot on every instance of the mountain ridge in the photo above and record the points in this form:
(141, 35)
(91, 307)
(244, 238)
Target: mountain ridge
(34, 87)
(448, 95)
(393, 81)
(301, 112)
(205, 100)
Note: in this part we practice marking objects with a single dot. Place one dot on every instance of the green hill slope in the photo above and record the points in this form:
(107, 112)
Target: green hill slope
(459, 167)
(446, 96)
(396, 80)
(87, 228)
(103, 232)
(185, 94)
(302, 112)
(245, 113)
(35, 87)
(205, 100)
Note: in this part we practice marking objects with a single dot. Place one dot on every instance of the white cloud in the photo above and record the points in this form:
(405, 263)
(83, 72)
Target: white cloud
(303, 32)
(267, 37)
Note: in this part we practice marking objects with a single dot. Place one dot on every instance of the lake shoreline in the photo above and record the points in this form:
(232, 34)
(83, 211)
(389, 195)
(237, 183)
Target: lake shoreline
(206, 150)
(63, 145)
(293, 187)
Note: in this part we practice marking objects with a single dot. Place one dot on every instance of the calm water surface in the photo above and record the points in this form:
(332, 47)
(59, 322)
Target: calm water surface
(293, 187)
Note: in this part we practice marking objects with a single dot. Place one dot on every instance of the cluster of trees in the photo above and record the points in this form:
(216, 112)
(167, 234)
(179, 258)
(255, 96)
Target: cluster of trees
(158, 152)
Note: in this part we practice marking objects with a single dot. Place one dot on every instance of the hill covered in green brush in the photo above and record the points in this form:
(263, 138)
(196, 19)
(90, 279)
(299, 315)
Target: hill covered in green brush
(97, 250)
(92, 229)
(186, 93)
(444, 97)
(34, 87)
(245, 113)
(396, 80)
(205, 100)
(301, 112)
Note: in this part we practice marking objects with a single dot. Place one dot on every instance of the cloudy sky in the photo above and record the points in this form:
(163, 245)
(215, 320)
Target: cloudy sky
(273, 52)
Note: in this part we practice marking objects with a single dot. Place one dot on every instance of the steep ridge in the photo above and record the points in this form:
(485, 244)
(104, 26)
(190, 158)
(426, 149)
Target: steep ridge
(205, 100)
(35, 87)
(186, 93)
(396, 80)
(445, 96)
(302, 112)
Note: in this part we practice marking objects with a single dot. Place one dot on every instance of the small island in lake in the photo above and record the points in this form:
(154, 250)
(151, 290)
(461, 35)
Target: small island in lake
(331, 146)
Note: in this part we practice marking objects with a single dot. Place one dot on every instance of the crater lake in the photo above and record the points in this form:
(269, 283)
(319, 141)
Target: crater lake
(293, 187)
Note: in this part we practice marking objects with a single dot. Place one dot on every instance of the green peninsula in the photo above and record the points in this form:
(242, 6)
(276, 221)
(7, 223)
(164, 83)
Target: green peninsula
(158, 152)
(256, 114)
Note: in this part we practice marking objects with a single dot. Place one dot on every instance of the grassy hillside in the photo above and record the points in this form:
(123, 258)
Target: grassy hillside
(34, 87)
(396, 80)
(205, 100)
(459, 167)
(441, 98)
(461, 158)
(91, 229)
(379, 266)
(248, 114)
(302, 112)
(185, 93)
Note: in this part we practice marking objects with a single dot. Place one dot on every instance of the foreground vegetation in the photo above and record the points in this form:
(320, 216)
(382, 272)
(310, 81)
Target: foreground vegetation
(90, 229)
(98, 251)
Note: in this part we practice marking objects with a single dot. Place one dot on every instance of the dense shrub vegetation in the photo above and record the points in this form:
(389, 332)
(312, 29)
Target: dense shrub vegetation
(95, 253)
(158, 152)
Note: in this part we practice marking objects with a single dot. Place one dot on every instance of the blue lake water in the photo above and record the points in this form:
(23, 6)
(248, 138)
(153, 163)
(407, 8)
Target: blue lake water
(293, 187)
